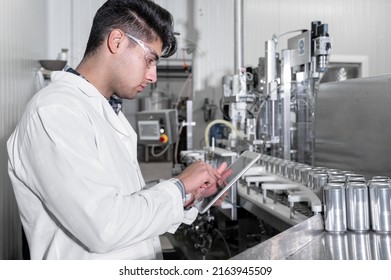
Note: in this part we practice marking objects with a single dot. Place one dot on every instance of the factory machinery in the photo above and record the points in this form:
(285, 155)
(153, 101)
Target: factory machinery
(270, 109)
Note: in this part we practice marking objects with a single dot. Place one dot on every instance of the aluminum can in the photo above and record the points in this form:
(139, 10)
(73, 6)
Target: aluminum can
(271, 164)
(296, 171)
(381, 178)
(267, 160)
(311, 174)
(355, 178)
(380, 206)
(290, 170)
(282, 168)
(304, 174)
(318, 182)
(333, 171)
(337, 178)
(278, 166)
(357, 206)
(334, 202)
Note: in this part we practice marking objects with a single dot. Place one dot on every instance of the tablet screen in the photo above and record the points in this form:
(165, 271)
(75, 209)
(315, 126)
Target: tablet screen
(231, 174)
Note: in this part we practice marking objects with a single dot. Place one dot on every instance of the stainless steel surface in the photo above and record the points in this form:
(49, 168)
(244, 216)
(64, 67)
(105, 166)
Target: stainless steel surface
(301, 48)
(337, 72)
(351, 125)
(285, 244)
(347, 246)
(308, 241)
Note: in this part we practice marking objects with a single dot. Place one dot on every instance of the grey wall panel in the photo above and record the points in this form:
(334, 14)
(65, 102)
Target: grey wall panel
(23, 43)
(352, 120)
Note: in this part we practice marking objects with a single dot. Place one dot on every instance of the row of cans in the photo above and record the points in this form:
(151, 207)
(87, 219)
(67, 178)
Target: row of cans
(349, 200)
(357, 206)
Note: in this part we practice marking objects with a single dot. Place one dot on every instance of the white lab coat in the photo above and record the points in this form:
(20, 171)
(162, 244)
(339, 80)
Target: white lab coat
(74, 170)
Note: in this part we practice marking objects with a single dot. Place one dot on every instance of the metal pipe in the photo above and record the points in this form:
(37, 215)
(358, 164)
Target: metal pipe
(238, 35)
(270, 63)
(286, 79)
(189, 129)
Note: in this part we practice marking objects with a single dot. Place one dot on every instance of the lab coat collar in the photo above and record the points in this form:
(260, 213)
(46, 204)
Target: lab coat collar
(98, 101)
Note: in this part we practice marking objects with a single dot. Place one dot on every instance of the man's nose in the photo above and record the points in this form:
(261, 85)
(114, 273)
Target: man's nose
(151, 74)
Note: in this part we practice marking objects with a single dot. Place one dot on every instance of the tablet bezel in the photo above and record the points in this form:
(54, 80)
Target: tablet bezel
(208, 202)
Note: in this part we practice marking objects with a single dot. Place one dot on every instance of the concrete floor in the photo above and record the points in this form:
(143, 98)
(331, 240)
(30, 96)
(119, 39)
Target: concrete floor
(156, 170)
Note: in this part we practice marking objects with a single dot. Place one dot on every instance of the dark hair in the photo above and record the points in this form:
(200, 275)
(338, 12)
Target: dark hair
(140, 18)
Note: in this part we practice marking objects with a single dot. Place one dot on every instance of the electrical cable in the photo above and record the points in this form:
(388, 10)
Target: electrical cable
(160, 153)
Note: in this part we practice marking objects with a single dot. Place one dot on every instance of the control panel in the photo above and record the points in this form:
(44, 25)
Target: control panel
(158, 127)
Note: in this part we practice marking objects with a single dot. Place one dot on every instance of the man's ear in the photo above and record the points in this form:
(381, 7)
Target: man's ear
(114, 40)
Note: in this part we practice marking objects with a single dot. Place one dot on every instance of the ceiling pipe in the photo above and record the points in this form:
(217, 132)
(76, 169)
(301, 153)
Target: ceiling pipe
(238, 35)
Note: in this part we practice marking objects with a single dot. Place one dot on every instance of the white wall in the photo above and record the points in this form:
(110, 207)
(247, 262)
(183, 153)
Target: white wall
(69, 27)
(23, 43)
(357, 27)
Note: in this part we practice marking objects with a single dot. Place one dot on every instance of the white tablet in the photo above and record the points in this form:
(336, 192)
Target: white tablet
(237, 169)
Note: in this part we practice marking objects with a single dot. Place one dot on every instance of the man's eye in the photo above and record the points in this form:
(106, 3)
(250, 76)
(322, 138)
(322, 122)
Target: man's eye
(151, 61)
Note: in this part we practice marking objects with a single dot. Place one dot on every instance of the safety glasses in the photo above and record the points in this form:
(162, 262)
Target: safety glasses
(150, 55)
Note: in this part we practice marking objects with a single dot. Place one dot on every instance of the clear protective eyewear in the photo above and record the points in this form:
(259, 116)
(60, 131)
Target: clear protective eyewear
(151, 57)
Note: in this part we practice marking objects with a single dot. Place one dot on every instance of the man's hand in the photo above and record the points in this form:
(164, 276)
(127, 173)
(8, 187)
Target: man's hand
(220, 183)
(201, 178)
(210, 189)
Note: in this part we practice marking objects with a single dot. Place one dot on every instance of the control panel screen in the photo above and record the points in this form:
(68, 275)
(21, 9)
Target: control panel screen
(149, 130)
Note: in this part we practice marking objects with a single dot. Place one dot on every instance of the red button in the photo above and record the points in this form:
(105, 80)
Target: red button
(163, 138)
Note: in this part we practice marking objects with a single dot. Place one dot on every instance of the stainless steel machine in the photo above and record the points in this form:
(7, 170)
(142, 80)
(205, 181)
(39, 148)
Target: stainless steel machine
(268, 109)
(276, 210)
(273, 104)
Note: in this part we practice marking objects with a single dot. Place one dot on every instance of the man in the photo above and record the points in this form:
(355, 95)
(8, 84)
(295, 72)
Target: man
(73, 159)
